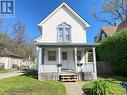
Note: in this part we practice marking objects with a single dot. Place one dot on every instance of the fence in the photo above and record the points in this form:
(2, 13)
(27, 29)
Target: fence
(104, 68)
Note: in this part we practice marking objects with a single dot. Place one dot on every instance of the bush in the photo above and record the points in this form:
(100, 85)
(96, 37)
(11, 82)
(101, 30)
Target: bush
(102, 87)
(114, 50)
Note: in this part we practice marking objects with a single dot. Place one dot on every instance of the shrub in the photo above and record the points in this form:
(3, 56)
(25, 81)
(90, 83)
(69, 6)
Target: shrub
(103, 87)
(114, 50)
(100, 87)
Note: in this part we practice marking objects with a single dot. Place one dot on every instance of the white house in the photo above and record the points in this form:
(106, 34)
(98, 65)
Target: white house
(62, 49)
(9, 60)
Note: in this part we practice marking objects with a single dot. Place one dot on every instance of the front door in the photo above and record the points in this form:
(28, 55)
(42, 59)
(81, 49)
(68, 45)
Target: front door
(65, 64)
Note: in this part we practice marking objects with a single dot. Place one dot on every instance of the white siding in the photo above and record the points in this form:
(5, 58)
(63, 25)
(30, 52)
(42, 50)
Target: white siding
(51, 66)
(86, 67)
(70, 57)
(50, 32)
(8, 61)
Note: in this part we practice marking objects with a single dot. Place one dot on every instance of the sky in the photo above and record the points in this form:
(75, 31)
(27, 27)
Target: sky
(31, 12)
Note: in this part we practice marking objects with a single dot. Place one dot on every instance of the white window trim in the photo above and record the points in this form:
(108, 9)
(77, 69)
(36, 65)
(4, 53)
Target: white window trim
(64, 26)
(87, 61)
(48, 56)
(103, 36)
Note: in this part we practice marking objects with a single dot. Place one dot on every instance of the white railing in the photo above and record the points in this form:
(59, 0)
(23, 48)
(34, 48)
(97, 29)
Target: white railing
(49, 68)
(88, 67)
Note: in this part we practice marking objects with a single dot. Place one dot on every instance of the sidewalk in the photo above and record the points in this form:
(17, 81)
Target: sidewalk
(74, 88)
(11, 74)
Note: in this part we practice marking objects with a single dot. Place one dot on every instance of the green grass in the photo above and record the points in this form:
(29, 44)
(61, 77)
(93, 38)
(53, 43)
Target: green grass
(115, 78)
(114, 81)
(4, 71)
(28, 85)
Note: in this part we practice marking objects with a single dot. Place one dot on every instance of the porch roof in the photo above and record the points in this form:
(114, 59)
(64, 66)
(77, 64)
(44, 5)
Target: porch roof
(67, 44)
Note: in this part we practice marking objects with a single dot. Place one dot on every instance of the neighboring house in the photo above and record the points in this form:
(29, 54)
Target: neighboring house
(105, 31)
(62, 48)
(122, 25)
(9, 60)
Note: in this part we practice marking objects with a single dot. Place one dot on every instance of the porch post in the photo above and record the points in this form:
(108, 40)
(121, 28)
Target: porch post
(94, 73)
(59, 59)
(94, 60)
(39, 56)
(75, 55)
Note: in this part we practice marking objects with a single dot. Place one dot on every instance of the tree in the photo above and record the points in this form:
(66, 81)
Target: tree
(115, 10)
(5, 40)
(19, 35)
(114, 50)
(17, 42)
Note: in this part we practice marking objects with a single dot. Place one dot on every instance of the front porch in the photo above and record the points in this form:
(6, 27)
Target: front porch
(56, 60)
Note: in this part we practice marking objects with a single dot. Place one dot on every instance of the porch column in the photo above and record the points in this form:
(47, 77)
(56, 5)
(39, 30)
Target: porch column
(59, 59)
(84, 57)
(75, 55)
(94, 60)
(39, 58)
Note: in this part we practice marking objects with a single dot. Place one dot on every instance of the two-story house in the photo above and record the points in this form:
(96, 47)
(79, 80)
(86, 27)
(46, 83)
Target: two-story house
(62, 49)
(105, 31)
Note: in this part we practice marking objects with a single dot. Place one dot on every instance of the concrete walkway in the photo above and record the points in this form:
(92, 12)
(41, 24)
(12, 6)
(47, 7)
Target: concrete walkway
(11, 74)
(74, 88)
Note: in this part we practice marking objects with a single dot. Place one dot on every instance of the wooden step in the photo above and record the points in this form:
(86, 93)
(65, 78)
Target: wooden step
(68, 77)
(71, 80)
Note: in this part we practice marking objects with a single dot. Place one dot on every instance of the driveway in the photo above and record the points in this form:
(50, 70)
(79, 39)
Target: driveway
(74, 88)
(11, 74)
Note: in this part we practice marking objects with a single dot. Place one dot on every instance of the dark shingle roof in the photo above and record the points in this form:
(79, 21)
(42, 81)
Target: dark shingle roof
(122, 25)
(109, 30)
(7, 53)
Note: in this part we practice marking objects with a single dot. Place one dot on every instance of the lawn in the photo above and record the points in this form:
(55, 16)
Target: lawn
(115, 78)
(114, 81)
(4, 71)
(28, 85)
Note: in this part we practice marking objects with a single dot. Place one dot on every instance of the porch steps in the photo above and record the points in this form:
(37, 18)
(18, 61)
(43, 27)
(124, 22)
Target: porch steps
(68, 78)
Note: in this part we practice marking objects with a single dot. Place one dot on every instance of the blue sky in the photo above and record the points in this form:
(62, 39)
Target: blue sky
(32, 12)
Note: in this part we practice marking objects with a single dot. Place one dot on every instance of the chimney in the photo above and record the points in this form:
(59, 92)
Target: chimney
(115, 24)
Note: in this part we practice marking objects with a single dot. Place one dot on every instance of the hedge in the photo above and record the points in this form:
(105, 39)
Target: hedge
(114, 50)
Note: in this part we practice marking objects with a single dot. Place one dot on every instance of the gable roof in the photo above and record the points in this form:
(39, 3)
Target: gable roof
(7, 53)
(122, 25)
(109, 30)
(70, 9)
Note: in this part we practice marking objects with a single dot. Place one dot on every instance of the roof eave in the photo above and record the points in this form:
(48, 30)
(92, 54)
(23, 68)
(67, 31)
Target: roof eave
(64, 4)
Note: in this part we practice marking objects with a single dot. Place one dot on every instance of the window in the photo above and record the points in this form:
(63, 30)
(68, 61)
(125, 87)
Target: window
(103, 36)
(68, 34)
(61, 34)
(2, 65)
(52, 55)
(64, 55)
(90, 56)
(64, 32)
(79, 55)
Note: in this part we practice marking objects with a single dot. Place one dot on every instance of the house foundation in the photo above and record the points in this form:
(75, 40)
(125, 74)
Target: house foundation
(67, 76)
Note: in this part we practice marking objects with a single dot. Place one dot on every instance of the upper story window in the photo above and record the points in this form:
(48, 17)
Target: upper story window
(103, 36)
(64, 32)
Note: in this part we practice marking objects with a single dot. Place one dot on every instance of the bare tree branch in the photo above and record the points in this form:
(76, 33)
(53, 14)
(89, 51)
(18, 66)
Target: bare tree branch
(19, 32)
(117, 10)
